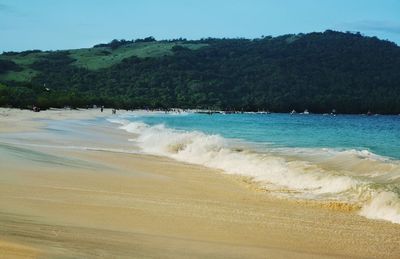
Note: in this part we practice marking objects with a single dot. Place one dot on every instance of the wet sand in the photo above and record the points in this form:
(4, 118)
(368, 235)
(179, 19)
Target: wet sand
(115, 205)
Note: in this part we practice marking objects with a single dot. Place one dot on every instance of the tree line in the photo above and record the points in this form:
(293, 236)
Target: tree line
(316, 71)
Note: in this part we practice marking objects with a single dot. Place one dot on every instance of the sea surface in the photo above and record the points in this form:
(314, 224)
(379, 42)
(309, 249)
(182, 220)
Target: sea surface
(351, 159)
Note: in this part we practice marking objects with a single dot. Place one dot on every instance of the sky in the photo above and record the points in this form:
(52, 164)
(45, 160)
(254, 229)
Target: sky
(68, 24)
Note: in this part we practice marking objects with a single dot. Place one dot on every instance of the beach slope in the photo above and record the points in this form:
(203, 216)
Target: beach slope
(81, 203)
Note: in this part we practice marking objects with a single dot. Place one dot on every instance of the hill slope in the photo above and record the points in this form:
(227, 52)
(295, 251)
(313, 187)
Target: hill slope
(315, 71)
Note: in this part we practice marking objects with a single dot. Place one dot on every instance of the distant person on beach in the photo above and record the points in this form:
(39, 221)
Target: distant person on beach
(102, 108)
(114, 111)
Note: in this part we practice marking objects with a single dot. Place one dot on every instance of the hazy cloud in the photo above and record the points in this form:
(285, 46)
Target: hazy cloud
(376, 26)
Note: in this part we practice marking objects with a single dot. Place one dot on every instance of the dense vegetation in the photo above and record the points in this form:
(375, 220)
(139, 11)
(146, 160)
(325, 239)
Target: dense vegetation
(316, 71)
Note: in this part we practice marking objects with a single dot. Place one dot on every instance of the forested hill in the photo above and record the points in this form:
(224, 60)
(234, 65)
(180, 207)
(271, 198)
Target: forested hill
(316, 71)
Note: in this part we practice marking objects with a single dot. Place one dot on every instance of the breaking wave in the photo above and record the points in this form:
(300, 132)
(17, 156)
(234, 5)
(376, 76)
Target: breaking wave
(357, 177)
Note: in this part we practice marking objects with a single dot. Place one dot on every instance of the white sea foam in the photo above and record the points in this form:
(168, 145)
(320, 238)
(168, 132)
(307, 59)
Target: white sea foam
(341, 175)
(118, 120)
(384, 205)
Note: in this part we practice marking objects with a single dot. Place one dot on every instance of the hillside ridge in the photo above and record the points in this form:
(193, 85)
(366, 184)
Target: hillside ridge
(317, 71)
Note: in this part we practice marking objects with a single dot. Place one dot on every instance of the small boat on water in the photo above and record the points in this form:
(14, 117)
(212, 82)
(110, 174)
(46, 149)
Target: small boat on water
(305, 112)
(293, 112)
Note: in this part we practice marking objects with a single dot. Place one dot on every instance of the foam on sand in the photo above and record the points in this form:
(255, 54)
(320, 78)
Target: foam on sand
(384, 205)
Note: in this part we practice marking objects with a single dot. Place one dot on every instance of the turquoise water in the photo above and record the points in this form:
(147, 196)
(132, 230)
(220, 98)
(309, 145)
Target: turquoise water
(352, 159)
(377, 134)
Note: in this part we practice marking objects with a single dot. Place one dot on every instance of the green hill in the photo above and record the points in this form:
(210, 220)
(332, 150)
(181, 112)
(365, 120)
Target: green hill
(316, 71)
(90, 58)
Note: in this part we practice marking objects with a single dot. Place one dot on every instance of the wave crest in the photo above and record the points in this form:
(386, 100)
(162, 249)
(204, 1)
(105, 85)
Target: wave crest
(316, 176)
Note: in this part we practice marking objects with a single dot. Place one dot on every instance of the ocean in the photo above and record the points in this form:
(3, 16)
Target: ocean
(350, 159)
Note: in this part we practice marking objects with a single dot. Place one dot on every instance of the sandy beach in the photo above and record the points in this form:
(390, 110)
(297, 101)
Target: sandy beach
(74, 203)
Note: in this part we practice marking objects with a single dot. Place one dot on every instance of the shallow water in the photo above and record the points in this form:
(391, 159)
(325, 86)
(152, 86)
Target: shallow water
(377, 134)
(350, 159)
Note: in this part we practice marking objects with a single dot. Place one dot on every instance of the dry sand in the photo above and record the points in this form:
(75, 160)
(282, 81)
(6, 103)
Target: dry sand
(14, 120)
(114, 205)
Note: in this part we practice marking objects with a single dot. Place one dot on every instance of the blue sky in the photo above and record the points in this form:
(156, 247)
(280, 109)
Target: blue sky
(64, 24)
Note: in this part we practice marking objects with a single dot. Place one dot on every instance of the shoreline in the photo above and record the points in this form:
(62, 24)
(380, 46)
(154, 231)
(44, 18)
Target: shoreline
(133, 205)
(207, 111)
